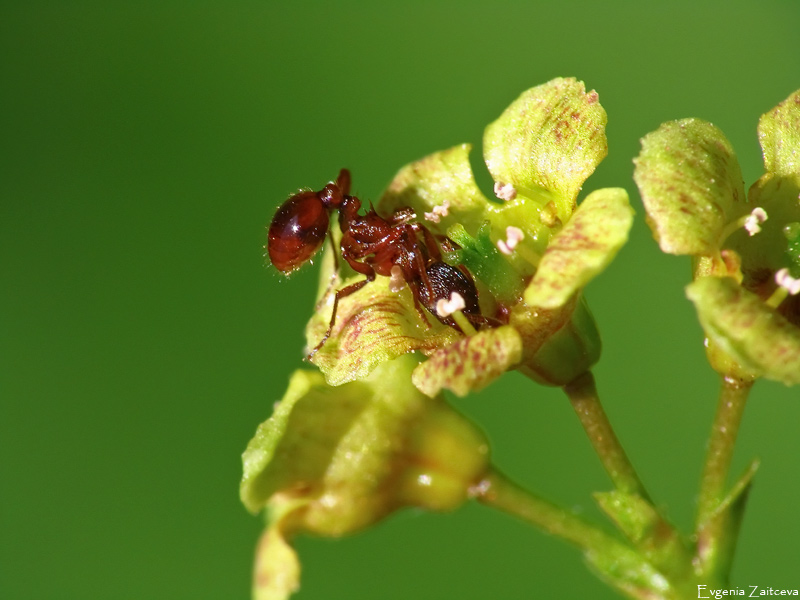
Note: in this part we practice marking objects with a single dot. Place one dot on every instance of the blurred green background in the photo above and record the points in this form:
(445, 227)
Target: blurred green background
(145, 147)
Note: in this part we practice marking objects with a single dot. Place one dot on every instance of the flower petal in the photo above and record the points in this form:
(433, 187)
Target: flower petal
(372, 326)
(586, 245)
(442, 192)
(548, 142)
(471, 363)
(754, 335)
(691, 185)
(779, 134)
(442, 178)
(276, 575)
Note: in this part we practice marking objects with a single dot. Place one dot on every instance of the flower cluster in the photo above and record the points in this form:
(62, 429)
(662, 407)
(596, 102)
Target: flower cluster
(532, 250)
(371, 433)
(745, 247)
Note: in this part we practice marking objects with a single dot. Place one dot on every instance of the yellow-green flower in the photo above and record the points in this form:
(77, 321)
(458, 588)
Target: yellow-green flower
(745, 248)
(531, 250)
(331, 461)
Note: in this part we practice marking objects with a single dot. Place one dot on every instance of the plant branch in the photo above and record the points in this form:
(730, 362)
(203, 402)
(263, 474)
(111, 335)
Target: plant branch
(497, 491)
(582, 393)
(615, 562)
(711, 526)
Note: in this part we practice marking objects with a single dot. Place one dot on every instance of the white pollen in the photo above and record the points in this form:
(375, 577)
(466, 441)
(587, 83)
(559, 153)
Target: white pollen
(505, 191)
(752, 222)
(438, 212)
(514, 236)
(787, 282)
(396, 280)
(445, 308)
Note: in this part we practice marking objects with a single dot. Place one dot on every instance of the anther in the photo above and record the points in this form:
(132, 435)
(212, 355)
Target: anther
(514, 236)
(784, 279)
(445, 308)
(752, 222)
(438, 212)
(505, 191)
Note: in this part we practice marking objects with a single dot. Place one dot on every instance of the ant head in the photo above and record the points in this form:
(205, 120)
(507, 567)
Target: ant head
(298, 230)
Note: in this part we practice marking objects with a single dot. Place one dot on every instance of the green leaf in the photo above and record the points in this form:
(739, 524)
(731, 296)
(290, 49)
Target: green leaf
(547, 143)
(372, 326)
(471, 363)
(779, 134)
(691, 185)
(753, 334)
(580, 251)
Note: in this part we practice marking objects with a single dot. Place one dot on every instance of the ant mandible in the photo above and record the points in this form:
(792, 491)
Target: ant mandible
(371, 245)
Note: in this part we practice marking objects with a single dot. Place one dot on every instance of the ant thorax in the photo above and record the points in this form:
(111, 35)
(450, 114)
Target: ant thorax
(370, 245)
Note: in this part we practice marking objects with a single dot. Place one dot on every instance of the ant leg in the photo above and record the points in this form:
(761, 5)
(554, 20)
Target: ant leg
(417, 304)
(334, 275)
(333, 248)
(417, 252)
(430, 242)
(342, 293)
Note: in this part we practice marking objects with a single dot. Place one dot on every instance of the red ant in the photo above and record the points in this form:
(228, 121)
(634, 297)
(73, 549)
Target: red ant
(371, 245)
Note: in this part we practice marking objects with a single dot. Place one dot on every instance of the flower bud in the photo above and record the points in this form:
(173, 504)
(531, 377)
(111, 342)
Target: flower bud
(333, 460)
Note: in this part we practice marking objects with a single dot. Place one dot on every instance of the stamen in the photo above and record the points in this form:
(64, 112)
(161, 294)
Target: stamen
(463, 323)
(752, 222)
(445, 308)
(396, 280)
(514, 235)
(505, 191)
(438, 212)
(785, 280)
(452, 308)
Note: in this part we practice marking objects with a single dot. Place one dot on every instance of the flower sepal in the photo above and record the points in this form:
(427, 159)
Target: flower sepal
(559, 344)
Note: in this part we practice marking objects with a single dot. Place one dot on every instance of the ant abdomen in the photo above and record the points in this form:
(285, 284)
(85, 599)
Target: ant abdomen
(444, 280)
(297, 231)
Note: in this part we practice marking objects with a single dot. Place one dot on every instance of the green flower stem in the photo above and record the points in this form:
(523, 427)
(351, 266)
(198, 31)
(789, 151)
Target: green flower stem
(497, 491)
(709, 529)
(612, 560)
(582, 393)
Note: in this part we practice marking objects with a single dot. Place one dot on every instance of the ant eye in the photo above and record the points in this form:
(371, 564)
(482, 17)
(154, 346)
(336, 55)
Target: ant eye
(297, 231)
